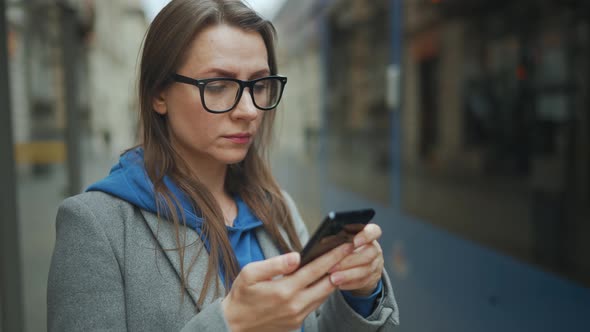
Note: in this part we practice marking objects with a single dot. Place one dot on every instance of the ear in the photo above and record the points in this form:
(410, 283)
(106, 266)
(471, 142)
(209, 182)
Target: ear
(159, 103)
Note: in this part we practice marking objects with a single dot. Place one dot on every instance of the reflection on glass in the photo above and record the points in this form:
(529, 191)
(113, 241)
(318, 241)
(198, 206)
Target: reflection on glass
(496, 130)
(357, 119)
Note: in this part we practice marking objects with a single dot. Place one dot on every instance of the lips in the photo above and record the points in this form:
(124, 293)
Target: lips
(240, 138)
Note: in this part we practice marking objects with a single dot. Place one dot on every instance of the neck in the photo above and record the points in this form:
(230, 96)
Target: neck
(211, 173)
(212, 176)
(214, 179)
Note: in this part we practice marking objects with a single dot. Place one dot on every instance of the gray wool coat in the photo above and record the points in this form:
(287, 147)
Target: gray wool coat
(111, 271)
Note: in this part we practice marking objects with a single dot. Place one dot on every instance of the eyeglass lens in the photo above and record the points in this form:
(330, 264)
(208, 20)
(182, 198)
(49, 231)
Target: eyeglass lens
(221, 95)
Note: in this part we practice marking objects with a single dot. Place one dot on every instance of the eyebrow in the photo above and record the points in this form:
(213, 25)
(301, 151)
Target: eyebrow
(226, 73)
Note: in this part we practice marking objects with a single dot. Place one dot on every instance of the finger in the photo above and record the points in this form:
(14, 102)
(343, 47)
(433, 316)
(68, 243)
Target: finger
(370, 233)
(317, 292)
(361, 256)
(270, 268)
(360, 287)
(364, 286)
(350, 275)
(305, 300)
(320, 266)
(367, 272)
(309, 299)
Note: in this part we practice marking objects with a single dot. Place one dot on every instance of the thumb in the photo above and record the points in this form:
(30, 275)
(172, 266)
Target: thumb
(270, 268)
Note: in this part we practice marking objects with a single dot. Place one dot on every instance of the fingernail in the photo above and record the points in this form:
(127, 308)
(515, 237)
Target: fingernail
(358, 241)
(335, 279)
(293, 259)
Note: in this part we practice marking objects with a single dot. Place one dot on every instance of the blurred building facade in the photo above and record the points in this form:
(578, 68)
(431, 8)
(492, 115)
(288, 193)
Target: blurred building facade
(72, 79)
(114, 53)
(37, 61)
(107, 40)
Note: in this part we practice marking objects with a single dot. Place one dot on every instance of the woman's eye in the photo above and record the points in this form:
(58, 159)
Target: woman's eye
(217, 87)
(259, 87)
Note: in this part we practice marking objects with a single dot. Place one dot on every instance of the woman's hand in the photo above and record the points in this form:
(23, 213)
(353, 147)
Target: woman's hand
(361, 271)
(269, 296)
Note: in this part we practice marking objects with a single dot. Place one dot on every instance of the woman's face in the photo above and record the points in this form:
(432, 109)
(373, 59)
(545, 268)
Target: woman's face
(215, 140)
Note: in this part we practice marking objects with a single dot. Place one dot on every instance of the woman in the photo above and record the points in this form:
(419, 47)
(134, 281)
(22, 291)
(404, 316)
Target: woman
(129, 252)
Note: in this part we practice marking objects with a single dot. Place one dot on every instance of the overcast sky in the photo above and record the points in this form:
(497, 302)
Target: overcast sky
(267, 8)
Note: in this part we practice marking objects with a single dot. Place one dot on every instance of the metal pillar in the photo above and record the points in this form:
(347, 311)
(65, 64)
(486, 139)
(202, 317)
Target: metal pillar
(11, 318)
(395, 101)
(70, 43)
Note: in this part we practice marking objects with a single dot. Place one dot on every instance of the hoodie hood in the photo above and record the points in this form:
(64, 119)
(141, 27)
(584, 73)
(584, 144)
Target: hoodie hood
(128, 180)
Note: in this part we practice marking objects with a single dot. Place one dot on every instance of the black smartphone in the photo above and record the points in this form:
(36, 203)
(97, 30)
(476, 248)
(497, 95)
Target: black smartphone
(336, 229)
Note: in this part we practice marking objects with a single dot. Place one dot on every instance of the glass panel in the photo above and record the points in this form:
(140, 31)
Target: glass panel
(496, 128)
(357, 121)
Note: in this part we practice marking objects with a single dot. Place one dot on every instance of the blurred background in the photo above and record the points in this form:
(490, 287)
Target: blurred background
(464, 123)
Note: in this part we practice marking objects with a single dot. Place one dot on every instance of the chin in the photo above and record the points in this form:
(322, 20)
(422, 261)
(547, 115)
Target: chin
(232, 158)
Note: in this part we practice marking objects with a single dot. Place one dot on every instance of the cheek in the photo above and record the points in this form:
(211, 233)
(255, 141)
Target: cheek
(194, 127)
(190, 123)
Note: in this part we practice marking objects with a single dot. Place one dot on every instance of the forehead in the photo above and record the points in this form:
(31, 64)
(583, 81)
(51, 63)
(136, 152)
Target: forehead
(227, 48)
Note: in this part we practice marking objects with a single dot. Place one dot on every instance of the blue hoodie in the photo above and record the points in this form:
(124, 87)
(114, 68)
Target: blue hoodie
(128, 181)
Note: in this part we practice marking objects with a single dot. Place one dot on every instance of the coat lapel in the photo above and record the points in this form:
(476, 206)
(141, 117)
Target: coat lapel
(269, 248)
(266, 244)
(165, 234)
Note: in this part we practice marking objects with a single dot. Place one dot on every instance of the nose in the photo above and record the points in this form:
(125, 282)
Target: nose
(245, 108)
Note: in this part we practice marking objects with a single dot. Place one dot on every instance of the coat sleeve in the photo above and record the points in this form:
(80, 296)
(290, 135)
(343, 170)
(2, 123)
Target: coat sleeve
(85, 288)
(335, 314)
(210, 319)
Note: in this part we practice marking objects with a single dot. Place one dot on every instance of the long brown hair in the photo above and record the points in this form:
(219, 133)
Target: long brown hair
(164, 51)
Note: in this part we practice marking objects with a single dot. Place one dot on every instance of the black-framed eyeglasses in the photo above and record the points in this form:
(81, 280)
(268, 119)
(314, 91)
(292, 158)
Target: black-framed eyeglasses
(222, 94)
